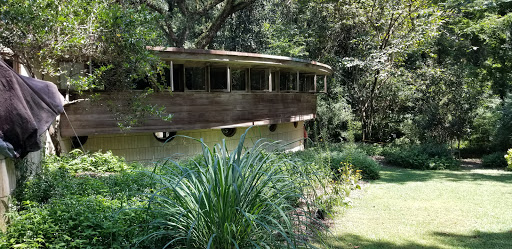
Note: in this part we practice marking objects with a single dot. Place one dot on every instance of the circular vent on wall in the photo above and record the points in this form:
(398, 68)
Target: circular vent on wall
(78, 142)
(164, 136)
(228, 132)
(272, 127)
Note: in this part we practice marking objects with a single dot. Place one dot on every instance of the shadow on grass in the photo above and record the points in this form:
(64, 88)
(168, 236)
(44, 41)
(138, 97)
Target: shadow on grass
(401, 176)
(356, 241)
(476, 240)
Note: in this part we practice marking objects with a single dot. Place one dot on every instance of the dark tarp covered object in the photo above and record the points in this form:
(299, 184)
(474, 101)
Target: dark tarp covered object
(27, 108)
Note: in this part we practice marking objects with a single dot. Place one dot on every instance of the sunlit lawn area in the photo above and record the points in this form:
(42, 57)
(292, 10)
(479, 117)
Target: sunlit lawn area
(429, 209)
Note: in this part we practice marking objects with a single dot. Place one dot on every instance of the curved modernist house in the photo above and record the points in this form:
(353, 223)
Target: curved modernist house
(215, 95)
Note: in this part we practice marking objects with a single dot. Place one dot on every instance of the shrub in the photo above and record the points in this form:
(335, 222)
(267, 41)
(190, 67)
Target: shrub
(328, 158)
(78, 162)
(238, 199)
(330, 174)
(336, 194)
(370, 169)
(314, 162)
(424, 157)
(508, 157)
(494, 160)
(58, 208)
(370, 149)
(474, 150)
(73, 222)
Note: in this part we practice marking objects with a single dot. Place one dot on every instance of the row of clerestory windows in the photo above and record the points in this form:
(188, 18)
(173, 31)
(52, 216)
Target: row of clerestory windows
(209, 78)
(182, 78)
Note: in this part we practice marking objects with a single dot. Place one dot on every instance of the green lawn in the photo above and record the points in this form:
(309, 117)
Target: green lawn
(429, 209)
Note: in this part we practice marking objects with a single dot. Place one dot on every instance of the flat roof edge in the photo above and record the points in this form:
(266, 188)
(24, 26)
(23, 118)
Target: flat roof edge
(328, 69)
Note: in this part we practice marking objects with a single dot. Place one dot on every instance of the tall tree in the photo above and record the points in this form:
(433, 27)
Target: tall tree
(386, 31)
(188, 23)
(43, 34)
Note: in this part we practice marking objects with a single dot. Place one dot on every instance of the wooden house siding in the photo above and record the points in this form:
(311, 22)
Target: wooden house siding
(200, 110)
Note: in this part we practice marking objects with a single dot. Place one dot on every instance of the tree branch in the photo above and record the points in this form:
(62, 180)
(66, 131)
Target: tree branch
(208, 7)
(166, 27)
(228, 9)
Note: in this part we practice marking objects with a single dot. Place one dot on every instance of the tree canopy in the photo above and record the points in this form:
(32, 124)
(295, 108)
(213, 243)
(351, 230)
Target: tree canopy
(193, 24)
(101, 33)
(420, 70)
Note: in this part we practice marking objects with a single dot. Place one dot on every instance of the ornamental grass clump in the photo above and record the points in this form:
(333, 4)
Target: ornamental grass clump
(239, 199)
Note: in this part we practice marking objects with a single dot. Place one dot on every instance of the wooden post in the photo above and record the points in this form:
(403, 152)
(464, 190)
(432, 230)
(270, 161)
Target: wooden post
(298, 82)
(314, 83)
(208, 86)
(228, 86)
(171, 71)
(248, 81)
(278, 81)
(7, 184)
(185, 89)
(269, 80)
(325, 83)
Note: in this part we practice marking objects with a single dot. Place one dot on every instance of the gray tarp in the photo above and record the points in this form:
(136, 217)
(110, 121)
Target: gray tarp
(6, 150)
(27, 108)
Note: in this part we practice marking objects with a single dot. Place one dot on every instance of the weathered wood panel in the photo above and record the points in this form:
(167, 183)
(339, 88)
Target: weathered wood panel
(191, 111)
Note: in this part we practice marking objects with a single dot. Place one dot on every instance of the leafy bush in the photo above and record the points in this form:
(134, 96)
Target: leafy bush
(369, 168)
(503, 134)
(370, 149)
(333, 178)
(336, 194)
(314, 162)
(494, 160)
(78, 162)
(424, 157)
(328, 158)
(239, 199)
(508, 157)
(73, 222)
(60, 209)
(474, 151)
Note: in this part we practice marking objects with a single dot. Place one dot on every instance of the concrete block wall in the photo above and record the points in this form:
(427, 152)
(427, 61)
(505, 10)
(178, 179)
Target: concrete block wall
(143, 147)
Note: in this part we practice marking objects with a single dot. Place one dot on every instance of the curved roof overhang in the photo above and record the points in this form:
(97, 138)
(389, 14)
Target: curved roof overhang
(219, 57)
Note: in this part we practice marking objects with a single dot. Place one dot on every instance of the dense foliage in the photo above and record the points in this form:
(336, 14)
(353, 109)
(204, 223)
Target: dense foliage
(332, 156)
(59, 208)
(429, 71)
(423, 157)
(368, 167)
(241, 198)
(494, 160)
(78, 162)
(56, 41)
(192, 23)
